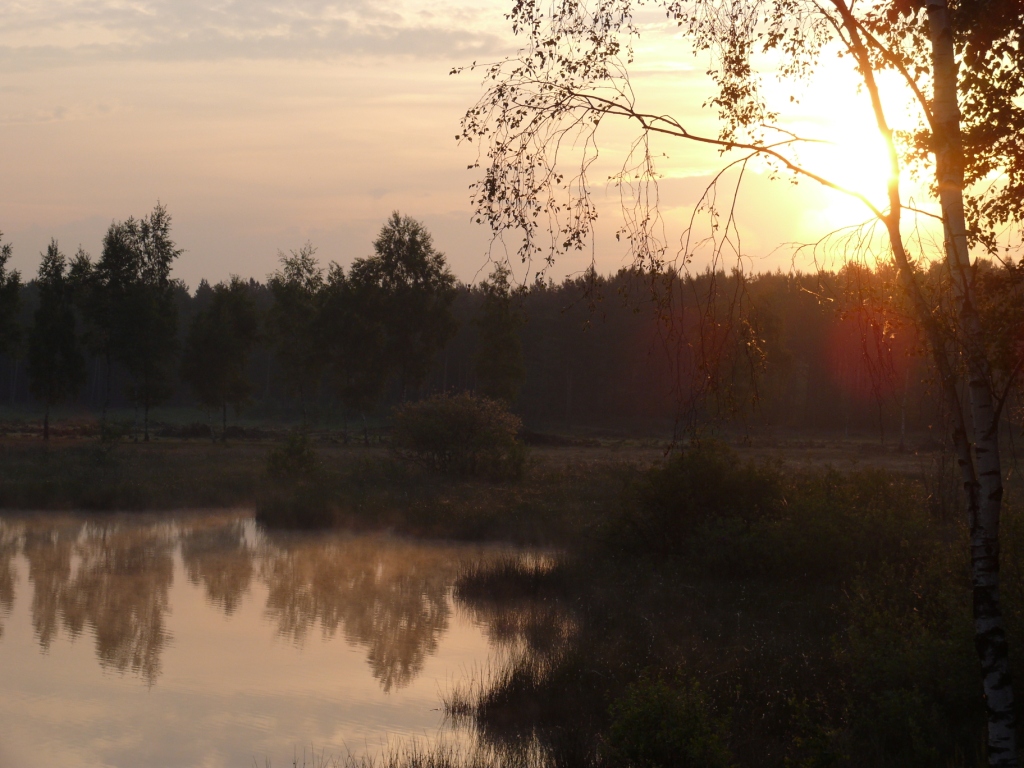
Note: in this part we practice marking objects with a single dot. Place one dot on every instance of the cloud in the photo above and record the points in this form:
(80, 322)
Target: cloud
(51, 33)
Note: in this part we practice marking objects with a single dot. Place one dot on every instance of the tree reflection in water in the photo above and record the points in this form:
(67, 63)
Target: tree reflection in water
(8, 549)
(389, 596)
(112, 578)
(218, 557)
(48, 550)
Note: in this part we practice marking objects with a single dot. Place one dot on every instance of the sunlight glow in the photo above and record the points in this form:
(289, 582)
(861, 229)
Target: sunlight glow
(852, 154)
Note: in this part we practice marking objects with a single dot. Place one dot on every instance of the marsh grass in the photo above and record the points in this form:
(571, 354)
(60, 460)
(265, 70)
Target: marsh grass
(415, 754)
(125, 476)
(561, 497)
(826, 620)
(555, 502)
(823, 615)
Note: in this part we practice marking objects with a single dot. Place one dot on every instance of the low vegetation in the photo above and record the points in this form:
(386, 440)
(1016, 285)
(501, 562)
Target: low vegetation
(463, 435)
(739, 612)
(824, 621)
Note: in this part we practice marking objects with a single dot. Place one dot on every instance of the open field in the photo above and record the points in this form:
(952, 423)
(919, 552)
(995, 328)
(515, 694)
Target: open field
(568, 477)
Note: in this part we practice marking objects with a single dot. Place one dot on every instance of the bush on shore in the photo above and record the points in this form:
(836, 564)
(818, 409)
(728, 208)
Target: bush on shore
(827, 612)
(294, 493)
(463, 435)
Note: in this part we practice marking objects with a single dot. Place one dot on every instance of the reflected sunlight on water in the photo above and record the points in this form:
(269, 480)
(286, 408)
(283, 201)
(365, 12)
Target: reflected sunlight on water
(199, 640)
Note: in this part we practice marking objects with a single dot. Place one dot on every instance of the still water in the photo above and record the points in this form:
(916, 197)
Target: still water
(198, 640)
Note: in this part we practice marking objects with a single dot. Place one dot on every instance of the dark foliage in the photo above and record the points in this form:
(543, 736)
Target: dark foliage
(10, 290)
(217, 349)
(460, 435)
(56, 365)
(500, 368)
(407, 289)
(658, 725)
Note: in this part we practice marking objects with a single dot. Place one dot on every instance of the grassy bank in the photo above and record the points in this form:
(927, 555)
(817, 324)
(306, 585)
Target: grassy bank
(712, 609)
(732, 614)
(90, 475)
(562, 494)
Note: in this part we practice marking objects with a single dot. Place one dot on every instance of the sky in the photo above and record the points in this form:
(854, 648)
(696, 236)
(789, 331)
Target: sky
(265, 124)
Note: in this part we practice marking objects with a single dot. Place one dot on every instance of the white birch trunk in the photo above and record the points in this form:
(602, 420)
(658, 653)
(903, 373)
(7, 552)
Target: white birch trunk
(981, 473)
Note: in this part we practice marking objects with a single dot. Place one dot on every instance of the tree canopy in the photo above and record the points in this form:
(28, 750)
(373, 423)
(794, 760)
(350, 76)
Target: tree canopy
(56, 364)
(217, 348)
(10, 285)
(131, 304)
(407, 289)
(499, 364)
(959, 66)
(297, 288)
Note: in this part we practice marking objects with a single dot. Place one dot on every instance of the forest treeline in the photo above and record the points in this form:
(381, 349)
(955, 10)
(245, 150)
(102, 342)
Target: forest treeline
(316, 342)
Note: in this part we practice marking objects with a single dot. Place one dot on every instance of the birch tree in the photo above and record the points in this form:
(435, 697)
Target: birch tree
(130, 302)
(297, 288)
(407, 289)
(56, 366)
(218, 345)
(10, 290)
(958, 64)
(499, 365)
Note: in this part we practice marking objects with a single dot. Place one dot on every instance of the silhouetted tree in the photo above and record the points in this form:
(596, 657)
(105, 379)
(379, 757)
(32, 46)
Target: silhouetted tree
(500, 368)
(355, 339)
(294, 320)
(132, 304)
(217, 349)
(958, 63)
(10, 293)
(406, 288)
(56, 367)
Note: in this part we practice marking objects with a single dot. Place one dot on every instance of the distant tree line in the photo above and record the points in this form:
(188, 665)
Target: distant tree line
(824, 351)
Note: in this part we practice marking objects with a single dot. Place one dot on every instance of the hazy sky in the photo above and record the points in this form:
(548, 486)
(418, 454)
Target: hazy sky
(263, 124)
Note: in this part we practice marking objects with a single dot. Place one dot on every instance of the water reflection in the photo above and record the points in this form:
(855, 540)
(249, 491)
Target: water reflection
(391, 599)
(48, 551)
(218, 558)
(111, 579)
(8, 549)
(245, 644)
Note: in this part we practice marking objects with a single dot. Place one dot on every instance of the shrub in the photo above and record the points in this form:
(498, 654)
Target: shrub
(460, 435)
(912, 668)
(708, 482)
(294, 493)
(657, 725)
(294, 461)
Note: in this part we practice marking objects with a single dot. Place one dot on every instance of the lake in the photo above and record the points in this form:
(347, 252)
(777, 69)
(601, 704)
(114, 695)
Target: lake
(199, 640)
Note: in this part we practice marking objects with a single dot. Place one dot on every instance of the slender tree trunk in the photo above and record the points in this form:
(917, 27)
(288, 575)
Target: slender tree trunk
(984, 483)
(568, 399)
(903, 411)
(14, 381)
(106, 397)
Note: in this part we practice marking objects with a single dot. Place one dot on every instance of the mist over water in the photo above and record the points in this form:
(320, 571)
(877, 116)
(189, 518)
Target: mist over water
(200, 640)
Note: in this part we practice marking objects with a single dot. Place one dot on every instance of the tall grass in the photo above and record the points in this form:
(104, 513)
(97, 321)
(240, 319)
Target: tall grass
(558, 500)
(824, 617)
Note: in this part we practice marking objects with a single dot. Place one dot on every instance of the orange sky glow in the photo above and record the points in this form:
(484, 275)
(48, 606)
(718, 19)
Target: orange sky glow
(262, 125)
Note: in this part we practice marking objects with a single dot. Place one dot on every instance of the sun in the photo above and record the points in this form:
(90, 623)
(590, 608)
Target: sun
(853, 156)
(845, 146)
